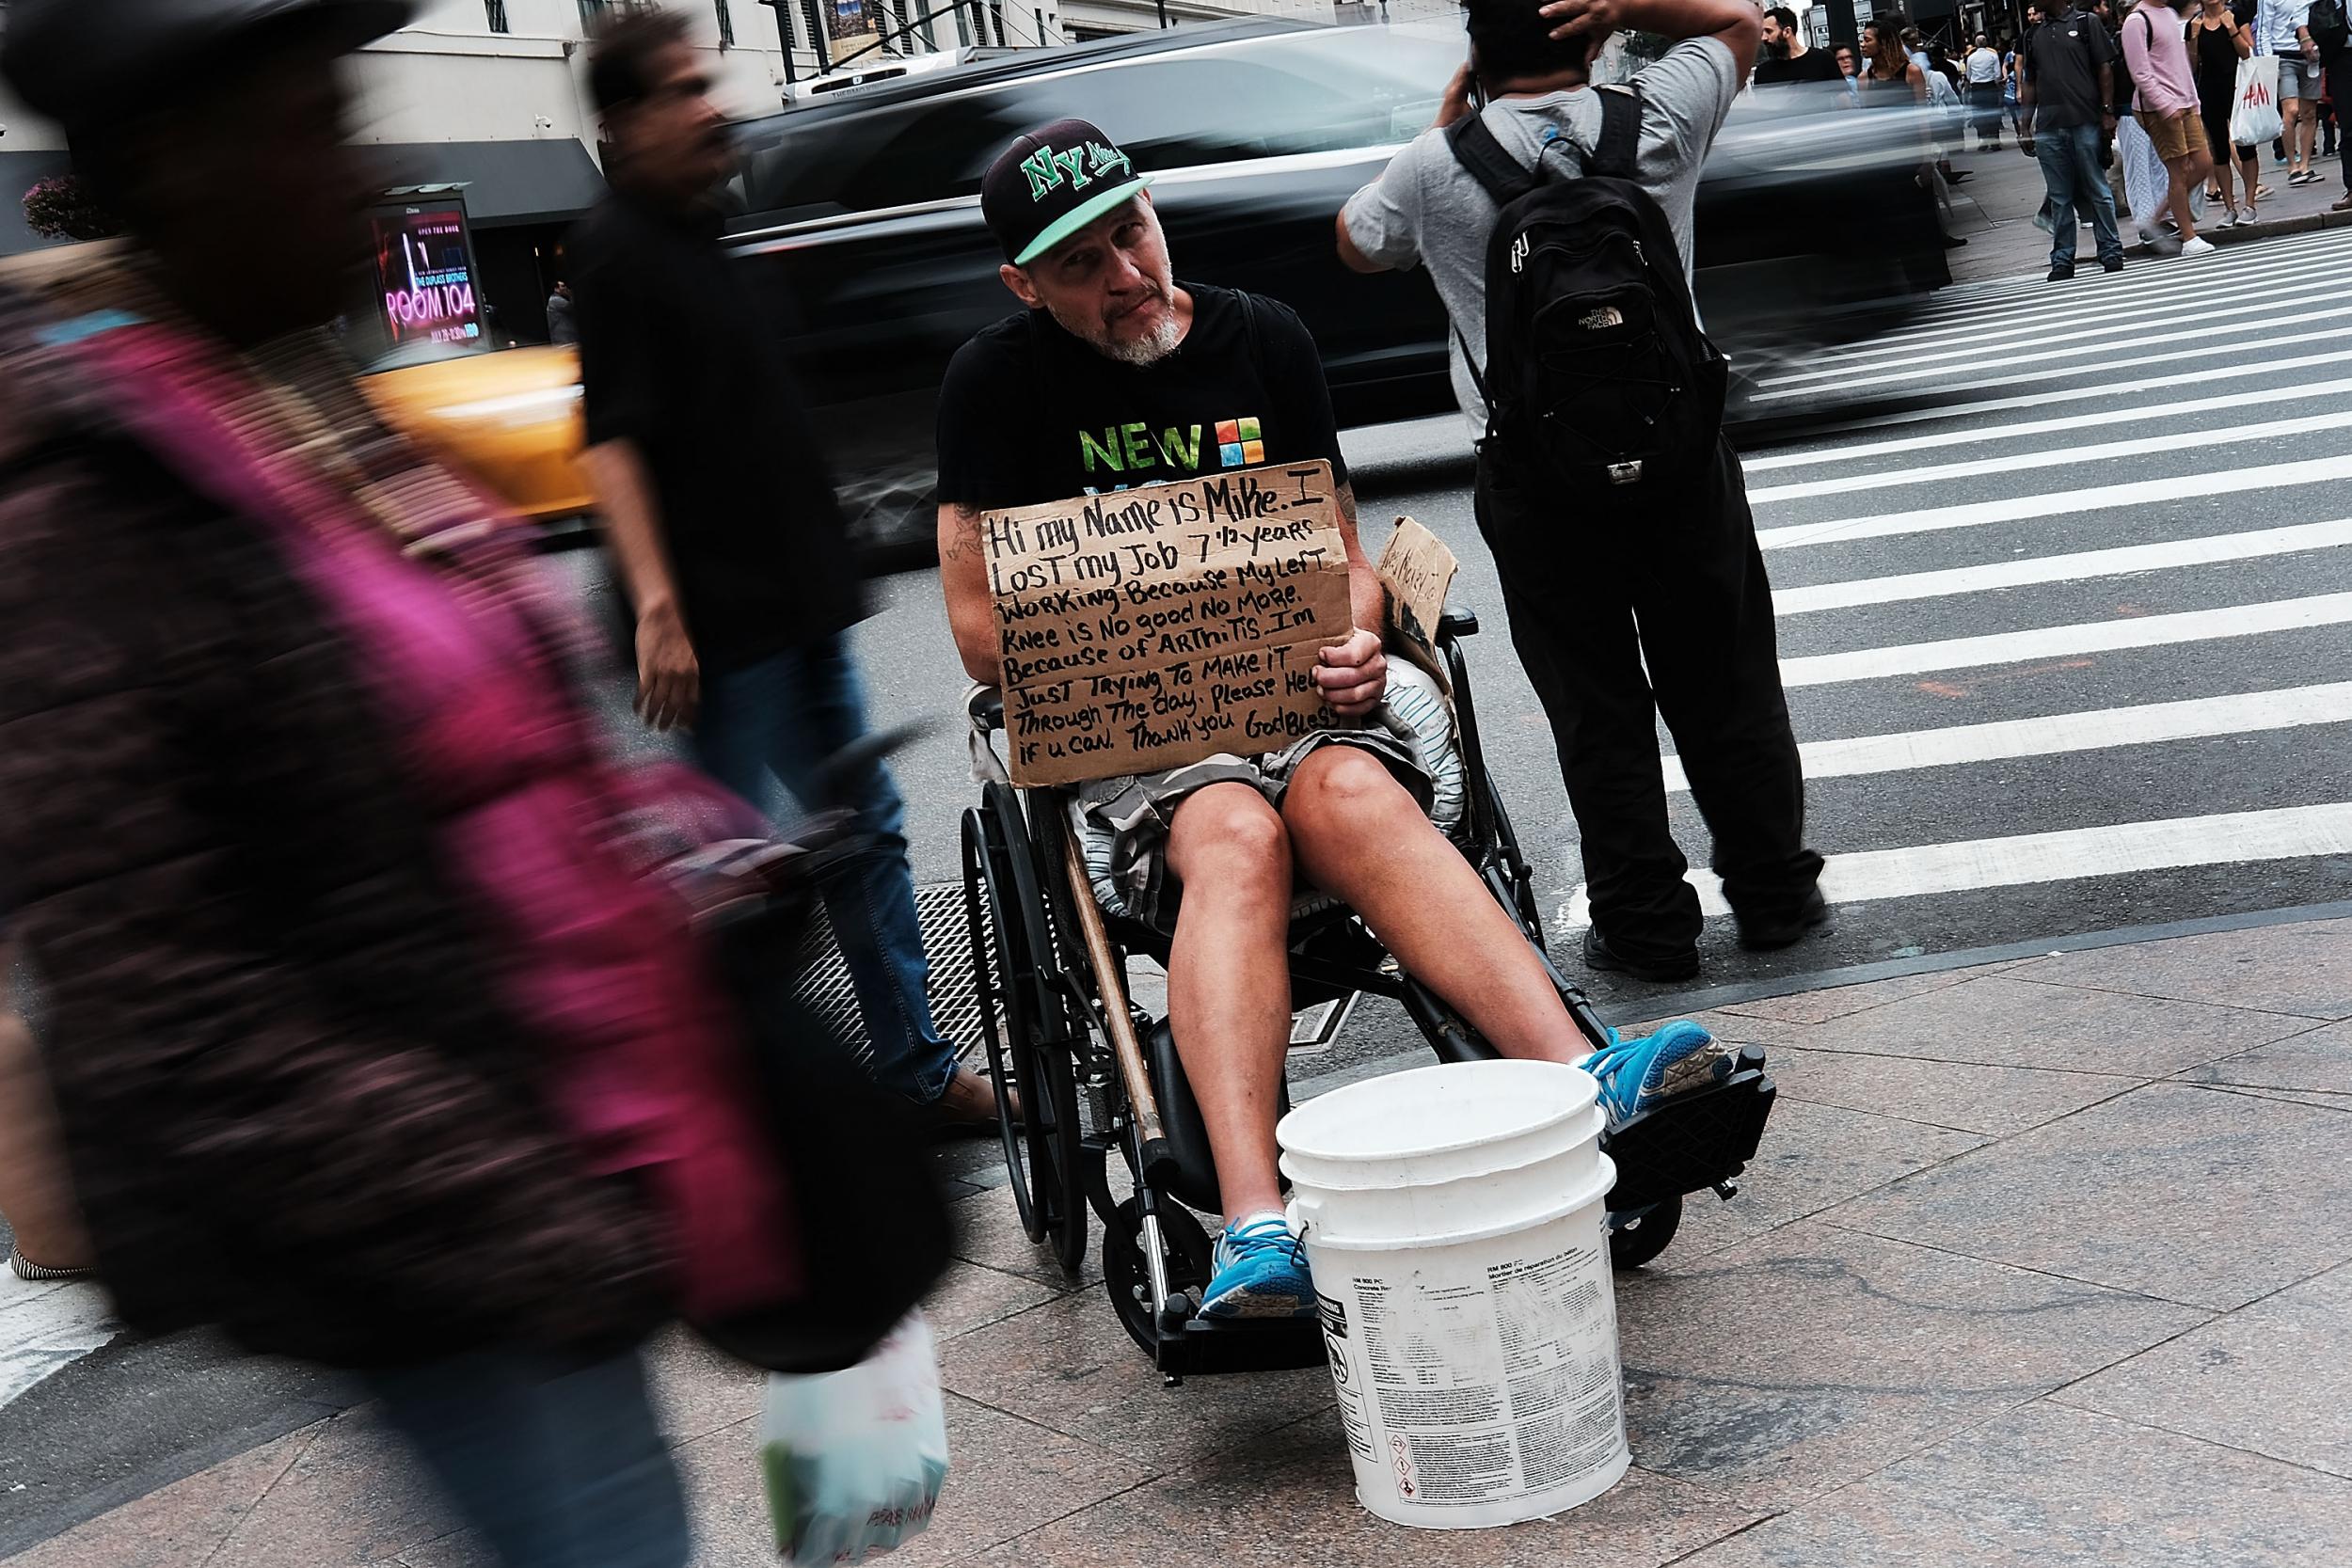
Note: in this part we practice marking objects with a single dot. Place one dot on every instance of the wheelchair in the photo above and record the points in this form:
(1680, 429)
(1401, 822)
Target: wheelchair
(1097, 1077)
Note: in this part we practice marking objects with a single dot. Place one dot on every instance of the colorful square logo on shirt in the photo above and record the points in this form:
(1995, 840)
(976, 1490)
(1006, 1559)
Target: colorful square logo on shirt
(1239, 442)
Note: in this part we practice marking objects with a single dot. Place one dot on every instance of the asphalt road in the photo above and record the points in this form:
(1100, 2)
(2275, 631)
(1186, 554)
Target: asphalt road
(2135, 492)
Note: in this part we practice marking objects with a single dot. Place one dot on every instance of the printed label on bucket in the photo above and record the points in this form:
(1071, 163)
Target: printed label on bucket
(1493, 1387)
(1334, 1316)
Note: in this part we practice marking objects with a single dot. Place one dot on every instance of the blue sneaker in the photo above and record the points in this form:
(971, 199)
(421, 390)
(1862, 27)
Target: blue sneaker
(1636, 1074)
(1260, 1272)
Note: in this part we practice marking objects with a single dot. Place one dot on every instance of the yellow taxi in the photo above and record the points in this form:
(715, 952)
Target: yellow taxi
(510, 417)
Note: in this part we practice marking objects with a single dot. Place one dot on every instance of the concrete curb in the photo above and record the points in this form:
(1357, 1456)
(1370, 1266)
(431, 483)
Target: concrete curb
(2263, 229)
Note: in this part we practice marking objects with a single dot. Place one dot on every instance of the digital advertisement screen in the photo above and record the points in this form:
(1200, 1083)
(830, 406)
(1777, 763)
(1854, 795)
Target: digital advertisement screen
(424, 275)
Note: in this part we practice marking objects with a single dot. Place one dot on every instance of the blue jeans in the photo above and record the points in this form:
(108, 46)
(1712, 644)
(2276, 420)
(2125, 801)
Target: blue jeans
(556, 1462)
(778, 720)
(2069, 156)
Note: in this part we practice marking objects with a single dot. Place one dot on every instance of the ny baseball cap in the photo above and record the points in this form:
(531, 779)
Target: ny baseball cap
(1051, 182)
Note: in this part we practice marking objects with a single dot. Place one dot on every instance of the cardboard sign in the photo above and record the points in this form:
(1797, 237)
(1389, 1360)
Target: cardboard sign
(1150, 628)
(1417, 569)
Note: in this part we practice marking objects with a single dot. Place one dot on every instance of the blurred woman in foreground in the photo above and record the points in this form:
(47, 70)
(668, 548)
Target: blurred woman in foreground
(370, 1039)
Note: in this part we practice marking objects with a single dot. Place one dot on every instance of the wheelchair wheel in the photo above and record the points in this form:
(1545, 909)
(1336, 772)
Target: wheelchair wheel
(1643, 1234)
(1023, 1017)
(1128, 1279)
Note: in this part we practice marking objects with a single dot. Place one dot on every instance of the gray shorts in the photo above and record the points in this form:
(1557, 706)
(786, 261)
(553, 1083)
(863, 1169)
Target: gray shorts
(1130, 817)
(2299, 78)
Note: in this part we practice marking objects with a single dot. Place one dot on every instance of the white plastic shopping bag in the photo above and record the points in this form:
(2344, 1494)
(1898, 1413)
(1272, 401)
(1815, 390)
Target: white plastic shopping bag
(2254, 116)
(853, 1460)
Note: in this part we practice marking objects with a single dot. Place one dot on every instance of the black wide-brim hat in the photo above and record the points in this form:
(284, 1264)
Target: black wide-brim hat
(94, 62)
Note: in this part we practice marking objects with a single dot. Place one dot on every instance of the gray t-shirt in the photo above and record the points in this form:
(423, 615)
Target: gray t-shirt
(1426, 209)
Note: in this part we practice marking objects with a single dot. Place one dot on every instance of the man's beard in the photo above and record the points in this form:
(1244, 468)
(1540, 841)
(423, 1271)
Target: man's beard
(1149, 349)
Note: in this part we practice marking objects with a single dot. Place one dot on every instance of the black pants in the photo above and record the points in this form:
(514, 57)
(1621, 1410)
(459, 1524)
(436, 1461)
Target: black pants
(1676, 584)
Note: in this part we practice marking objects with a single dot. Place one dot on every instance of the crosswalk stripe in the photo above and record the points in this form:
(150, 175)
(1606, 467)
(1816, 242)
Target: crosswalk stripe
(1990, 292)
(46, 1327)
(2085, 637)
(2062, 346)
(2100, 729)
(2090, 364)
(2224, 438)
(2287, 832)
(1992, 332)
(2203, 550)
(2051, 503)
(2252, 397)
(2267, 370)
(2263, 265)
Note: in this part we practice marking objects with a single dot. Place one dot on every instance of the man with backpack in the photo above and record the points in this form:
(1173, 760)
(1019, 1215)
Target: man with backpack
(1555, 223)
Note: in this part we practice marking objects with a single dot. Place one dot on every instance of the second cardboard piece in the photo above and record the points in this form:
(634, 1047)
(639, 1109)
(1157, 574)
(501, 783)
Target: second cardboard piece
(1151, 628)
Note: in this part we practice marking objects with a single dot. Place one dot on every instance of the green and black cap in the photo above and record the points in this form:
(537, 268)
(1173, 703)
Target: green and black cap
(1051, 182)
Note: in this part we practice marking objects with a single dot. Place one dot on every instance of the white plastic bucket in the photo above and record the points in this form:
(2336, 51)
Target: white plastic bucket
(1454, 1220)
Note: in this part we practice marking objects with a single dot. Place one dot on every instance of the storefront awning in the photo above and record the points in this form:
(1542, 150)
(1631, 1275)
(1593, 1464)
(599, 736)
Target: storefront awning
(505, 182)
(18, 173)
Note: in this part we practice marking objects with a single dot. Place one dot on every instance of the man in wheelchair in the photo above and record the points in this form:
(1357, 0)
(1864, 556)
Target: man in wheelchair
(1115, 374)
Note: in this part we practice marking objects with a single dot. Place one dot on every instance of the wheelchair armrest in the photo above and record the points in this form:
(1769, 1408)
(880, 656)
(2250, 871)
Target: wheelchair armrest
(1456, 624)
(986, 706)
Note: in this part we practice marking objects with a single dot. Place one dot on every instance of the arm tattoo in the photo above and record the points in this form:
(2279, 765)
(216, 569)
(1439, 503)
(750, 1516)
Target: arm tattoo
(965, 539)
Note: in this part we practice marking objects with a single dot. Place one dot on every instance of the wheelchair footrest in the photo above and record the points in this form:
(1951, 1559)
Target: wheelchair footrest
(1693, 1141)
(1206, 1346)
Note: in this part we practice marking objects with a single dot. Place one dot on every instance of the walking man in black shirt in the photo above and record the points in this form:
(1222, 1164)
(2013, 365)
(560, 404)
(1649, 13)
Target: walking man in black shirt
(1115, 374)
(723, 527)
(2068, 97)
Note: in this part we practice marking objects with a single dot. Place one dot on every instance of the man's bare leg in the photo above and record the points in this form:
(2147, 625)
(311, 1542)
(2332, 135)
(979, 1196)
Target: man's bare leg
(34, 1191)
(1229, 987)
(1359, 835)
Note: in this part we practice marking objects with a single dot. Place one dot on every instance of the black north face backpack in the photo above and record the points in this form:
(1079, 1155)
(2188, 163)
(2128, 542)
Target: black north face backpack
(1595, 367)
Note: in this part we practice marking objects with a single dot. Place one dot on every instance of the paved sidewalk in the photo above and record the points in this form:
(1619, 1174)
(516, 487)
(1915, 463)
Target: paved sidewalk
(2044, 1262)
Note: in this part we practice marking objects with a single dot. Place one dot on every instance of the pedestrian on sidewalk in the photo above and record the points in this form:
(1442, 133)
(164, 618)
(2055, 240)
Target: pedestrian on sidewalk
(2217, 40)
(728, 540)
(1634, 603)
(2168, 111)
(2330, 23)
(560, 328)
(1786, 56)
(372, 1041)
(1983, 71)
(2069, 91)
(2283, 28)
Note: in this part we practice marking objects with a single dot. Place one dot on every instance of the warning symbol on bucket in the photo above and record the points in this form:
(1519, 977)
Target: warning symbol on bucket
(1401, 1457)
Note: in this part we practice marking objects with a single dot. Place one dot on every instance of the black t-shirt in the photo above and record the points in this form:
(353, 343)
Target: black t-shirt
(1029, 414)
(2062, 60)
(1814, 65)
(681, 356)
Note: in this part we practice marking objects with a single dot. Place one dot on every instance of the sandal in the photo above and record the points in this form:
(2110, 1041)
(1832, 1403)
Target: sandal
(25, 1268)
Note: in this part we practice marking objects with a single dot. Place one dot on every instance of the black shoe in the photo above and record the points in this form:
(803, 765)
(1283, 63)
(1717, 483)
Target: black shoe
(2059, 274)
(2113, 263)
(1767, 936)
(1658, 972)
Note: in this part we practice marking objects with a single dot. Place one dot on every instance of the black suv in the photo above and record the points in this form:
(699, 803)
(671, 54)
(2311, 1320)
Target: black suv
(862, 208)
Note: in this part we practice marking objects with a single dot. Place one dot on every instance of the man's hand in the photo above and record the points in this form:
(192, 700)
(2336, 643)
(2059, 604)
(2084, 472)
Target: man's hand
(1457, 104)
(1353, 674)
(669, 678)
(1593, 18)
